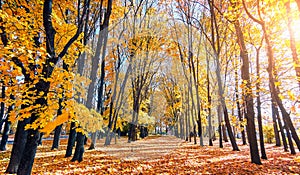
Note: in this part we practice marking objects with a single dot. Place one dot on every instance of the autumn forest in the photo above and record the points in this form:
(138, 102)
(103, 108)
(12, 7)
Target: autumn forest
(188, 80)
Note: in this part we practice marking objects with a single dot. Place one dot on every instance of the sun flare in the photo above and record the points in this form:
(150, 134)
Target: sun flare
(295, 30)
(295, 26)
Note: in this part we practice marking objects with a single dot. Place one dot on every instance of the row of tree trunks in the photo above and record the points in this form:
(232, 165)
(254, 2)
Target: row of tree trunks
(275, 95)
(274, 90)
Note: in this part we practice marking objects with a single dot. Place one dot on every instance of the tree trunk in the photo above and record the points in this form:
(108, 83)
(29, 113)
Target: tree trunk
(111, 117)
(71, 140)
(229, 129)
(220, 126)
(238, 105)
(132, 132)
(276, 113)
(288, 134)
(248, 96)
(260, 128)
(18, 147)
(176, 130)
(29, 152)
(194, 134)
(241, 119)
(259, 118)
(33, 135)
(93, 143)
(275, 126)
(2, 107)
(210, 141)
(79, 149)
(210, 136)
(187, 118)
(181, 121)
(134, 121)
(56, 138)
(6, 127)
(5, 135)
(209, 108)
(224, 133)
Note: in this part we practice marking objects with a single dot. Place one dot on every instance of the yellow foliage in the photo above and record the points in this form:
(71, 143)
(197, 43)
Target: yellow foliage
(50, 126)
(269, 132)
(89, 120)
(21, 53)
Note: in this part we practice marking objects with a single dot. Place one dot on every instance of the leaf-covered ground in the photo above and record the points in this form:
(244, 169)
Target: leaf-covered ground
(160, 155)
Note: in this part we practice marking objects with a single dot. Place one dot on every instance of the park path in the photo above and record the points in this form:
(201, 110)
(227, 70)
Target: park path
(159, 155)
(147, 149)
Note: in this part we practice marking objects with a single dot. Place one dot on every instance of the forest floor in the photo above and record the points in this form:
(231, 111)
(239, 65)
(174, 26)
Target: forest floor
(159, 155)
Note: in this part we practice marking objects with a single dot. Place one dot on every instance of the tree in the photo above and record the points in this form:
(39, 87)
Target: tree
(35, 111)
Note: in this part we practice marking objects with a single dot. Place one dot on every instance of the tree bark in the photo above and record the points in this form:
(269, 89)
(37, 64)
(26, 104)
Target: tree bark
(79, 149)
(71, 140)
(288, 134)
(276, 113)
(220, 126)
(187, 118)
(6, 127)
(224, 133)
(57, 129)
(5, 135)
(56, 138)
(2, 107)
(181, 121)
(209, 108)
(18, 147)
(275, 126)
(93, 139)
(238, 105)
(29, 151)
